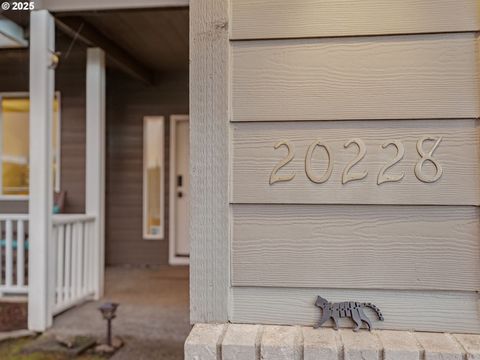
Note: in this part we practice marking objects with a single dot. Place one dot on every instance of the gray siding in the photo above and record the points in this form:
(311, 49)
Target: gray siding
(127, 103)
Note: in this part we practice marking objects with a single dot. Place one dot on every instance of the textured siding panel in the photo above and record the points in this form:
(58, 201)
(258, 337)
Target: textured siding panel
(403, 310)
(254, 159)
(383, 247)
(260, 19)
(387, 77)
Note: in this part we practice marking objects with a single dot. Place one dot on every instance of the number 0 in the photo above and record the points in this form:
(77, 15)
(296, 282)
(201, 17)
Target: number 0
(308, 163)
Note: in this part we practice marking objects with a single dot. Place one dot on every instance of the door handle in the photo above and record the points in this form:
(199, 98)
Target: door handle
(179, 194)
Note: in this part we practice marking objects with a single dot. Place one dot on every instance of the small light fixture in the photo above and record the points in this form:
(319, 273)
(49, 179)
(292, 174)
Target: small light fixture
(108, 311)
(54, 59)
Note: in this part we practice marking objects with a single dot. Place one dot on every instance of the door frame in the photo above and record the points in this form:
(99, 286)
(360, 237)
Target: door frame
(173, 259)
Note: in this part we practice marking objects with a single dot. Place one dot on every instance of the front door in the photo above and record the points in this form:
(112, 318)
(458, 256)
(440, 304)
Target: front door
(179, 189)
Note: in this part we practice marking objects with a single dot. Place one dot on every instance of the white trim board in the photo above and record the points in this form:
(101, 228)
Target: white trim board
(161, 235)
(174, 259)
(14, 197)
(57, 185)
(95, 158)
(209, 162)
(41, 290)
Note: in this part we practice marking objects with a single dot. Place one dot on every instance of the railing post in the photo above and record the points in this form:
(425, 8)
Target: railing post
(95, 159)
(40, 294)
(20, 253)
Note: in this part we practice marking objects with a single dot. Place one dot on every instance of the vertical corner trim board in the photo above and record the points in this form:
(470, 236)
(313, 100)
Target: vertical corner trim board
(209, 162)
(385, 77)
(262, 19)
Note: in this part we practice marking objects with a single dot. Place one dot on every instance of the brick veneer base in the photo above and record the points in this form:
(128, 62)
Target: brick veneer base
(254, 342)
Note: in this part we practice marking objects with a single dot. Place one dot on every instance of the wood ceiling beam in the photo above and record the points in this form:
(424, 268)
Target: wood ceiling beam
(78, 28)
(79, 5)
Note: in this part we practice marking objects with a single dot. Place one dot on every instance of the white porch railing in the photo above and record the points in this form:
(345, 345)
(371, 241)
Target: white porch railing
(13, 254)
(75, 245)
(75, 248)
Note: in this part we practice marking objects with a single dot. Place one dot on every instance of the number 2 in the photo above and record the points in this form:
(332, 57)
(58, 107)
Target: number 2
(277, 178)
(362, 150)
(382, 178)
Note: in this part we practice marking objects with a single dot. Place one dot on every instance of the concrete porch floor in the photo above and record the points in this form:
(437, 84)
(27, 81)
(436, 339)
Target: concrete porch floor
(153, 316)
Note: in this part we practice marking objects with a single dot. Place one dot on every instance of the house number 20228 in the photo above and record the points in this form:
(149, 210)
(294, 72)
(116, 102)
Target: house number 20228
(386, 173)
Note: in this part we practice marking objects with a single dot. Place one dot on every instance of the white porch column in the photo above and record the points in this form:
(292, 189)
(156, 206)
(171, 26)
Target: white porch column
(95, 158)
(40, 261)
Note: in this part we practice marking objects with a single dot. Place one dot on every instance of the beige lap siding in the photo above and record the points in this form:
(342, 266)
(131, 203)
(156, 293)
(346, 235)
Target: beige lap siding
(386, 77)
(362, 247)
(454, 311)
(254, 158)
(266, 19)
(308, 74)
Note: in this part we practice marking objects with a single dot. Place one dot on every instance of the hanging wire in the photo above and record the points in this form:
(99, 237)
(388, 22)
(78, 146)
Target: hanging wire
(73, 40)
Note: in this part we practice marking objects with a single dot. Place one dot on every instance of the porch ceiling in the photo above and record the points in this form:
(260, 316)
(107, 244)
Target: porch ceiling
(156, 38)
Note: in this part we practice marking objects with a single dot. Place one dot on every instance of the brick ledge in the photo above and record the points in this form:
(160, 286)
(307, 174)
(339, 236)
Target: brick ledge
(268, 342)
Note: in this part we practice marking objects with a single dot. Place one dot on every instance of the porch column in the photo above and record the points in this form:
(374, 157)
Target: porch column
(95, 157)
(40, 261)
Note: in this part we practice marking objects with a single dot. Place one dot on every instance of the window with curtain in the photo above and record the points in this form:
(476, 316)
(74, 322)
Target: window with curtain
(14, 145)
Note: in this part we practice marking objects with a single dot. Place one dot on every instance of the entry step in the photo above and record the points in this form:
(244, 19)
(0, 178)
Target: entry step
(269, 342)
